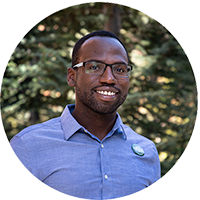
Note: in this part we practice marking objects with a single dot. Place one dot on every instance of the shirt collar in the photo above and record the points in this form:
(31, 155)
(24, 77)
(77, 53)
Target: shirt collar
(70, 126)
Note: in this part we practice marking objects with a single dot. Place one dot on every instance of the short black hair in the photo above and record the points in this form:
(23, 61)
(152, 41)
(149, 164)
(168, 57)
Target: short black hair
(102, 33)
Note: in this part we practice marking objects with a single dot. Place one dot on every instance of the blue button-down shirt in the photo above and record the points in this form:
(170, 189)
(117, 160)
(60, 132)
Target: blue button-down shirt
(64, 155)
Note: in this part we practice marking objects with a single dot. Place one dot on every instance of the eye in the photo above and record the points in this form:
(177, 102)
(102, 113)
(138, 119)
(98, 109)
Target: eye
(94, 67)
(120, 69)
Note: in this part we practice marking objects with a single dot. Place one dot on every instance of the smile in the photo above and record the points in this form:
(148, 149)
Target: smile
(107, 93)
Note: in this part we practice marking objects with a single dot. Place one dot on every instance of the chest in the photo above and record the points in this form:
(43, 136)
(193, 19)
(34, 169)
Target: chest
(80, 169)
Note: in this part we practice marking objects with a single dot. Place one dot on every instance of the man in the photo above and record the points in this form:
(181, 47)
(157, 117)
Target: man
(88, 152)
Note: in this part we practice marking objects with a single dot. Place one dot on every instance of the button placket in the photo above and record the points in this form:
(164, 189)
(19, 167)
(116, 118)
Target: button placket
(104, 158)
(106, 172)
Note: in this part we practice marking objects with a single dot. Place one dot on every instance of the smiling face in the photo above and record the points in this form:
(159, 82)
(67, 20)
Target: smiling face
(103, 93)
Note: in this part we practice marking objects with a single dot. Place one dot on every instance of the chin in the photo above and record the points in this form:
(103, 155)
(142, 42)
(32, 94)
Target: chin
(105, 109)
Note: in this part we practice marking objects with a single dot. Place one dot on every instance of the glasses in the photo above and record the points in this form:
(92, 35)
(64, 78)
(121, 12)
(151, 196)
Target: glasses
(98, 68)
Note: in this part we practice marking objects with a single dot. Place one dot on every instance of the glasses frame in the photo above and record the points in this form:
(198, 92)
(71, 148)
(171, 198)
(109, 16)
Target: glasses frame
(106, 65)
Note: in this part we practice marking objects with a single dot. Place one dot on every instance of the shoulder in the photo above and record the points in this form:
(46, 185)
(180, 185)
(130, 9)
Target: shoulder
(38, 134)
(41, 128)
(145, 143)
(132, 135)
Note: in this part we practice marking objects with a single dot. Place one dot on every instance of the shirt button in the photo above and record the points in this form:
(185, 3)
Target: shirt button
(106, 176)
(102, 146)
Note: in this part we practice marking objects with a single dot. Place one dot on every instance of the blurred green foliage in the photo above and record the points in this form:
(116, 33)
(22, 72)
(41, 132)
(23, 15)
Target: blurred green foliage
(162, 100)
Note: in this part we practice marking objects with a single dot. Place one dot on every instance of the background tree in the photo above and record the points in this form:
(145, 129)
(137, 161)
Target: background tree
(162, 100)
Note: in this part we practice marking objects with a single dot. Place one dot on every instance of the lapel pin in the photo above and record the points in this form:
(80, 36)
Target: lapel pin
(137, 149)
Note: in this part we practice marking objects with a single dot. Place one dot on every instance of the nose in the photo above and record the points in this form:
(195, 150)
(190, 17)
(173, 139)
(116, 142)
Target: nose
(108, 77)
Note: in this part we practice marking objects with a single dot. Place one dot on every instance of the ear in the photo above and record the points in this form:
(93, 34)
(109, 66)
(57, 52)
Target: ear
(71, 77)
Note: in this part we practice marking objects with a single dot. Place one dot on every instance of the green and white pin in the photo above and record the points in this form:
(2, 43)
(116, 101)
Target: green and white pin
(137, 149)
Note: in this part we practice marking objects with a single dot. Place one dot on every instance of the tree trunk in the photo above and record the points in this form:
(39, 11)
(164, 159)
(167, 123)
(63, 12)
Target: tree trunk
(34, 117)
(113, 23)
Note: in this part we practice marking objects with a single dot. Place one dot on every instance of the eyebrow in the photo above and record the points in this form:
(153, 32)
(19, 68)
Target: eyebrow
(118, 62)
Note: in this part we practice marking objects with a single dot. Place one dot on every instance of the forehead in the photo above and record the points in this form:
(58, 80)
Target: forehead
(102, 48)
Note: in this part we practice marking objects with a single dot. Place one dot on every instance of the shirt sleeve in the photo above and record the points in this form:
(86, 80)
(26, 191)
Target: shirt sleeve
(157, 169)
(19, 147)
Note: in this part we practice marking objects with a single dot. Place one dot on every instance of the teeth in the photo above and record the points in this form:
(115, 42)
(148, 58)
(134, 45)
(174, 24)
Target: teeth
(109, 93)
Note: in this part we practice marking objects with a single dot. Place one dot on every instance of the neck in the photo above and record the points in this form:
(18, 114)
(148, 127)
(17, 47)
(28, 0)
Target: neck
(96, 123)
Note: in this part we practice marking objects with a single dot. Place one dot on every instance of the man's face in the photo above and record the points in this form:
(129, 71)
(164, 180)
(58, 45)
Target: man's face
(104, 93)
